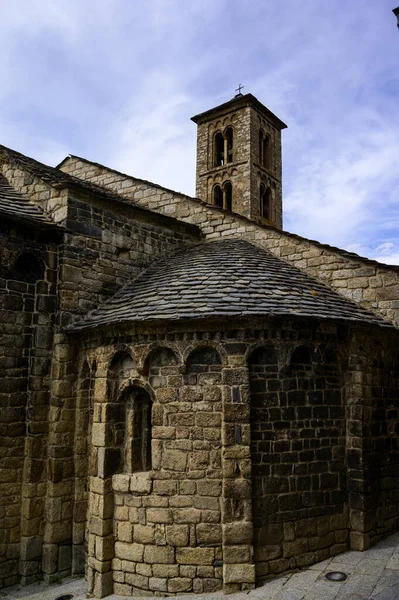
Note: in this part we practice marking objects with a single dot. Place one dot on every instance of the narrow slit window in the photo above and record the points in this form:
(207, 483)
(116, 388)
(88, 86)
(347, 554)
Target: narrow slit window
(265, 202)
(139, 432)
(229, 140)
(260, 147)
(228, 196)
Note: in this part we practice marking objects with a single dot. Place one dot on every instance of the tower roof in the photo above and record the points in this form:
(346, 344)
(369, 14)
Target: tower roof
(239, 101)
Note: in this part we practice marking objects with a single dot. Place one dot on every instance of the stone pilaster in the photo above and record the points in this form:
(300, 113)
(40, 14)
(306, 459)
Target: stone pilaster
(101, 503)
(238, 566)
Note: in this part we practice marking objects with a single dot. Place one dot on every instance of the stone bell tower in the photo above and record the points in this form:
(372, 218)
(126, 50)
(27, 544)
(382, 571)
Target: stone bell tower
(239, 159)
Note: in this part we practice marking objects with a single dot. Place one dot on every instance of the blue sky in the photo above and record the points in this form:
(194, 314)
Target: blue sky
(116, 81)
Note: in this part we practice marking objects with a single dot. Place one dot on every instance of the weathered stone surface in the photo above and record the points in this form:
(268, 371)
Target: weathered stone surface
(242, 573)
(128, 551)
(159, 554)
(195, 556)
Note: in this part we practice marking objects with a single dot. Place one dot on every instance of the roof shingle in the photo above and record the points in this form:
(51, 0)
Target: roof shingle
(228, 278)
(15, 205)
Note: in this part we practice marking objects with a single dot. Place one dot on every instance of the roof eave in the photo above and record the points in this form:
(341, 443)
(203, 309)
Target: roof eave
(239, 102)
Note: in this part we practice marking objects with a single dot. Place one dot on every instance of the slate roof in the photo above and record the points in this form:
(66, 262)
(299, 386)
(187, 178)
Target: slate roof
(59, 179)
(223, 278)
(15, 205)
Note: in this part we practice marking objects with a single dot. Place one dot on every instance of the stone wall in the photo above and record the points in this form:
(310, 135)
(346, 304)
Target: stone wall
(298, 457)
(28, 267)
(254, 441)
(373, 286)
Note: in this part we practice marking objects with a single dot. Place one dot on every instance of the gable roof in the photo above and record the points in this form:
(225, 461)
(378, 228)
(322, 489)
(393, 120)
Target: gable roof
(17, 206)
(228, 278)
(59, 179)
(132, 177)
(340, 251)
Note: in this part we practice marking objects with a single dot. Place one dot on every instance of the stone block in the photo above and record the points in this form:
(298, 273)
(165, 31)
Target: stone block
(238, 533)
(209, 487)
(188, 571)
(138, 581)
(64, 558)
(105, 547)
(237, 554)
(237, 488)
(165, 570)
(295, 548)
(165, 488)
(159, 555)
(359, 541)
(78, 560)
(159, 515)
(122, 589)
(177, 535)
(144, 534)
(50, 558)
(179, 584)
(174, 460)
(143, 569)
(103, 584)
(209, 533)
(125, 551)
(241, 573)
(141, 483)
(31, 547)
(121, 482)
(195, 556)
(186, 515)
(158, 584)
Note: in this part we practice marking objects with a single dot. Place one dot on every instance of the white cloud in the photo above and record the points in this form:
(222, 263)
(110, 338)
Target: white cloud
(117, 81)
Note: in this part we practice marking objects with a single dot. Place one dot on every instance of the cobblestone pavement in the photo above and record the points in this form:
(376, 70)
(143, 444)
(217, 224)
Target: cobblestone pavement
(371, 575)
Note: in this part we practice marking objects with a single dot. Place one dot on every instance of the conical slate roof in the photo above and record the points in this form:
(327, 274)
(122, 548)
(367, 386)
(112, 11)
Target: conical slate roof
(227, 278)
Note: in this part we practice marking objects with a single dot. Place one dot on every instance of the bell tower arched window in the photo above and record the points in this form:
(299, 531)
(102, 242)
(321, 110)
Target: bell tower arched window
(218, 196)
(223, 147)
(266, 152)
(219, 149)
(265, 195)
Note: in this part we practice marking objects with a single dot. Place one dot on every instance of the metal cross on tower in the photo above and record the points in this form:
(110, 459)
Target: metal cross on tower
(238, 90)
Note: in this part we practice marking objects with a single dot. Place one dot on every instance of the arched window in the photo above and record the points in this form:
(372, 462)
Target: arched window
(28, 268)
(266, 153)
(228, 196)
(219, 149)
(218, 196)
(138, 430)
(229, 140)
(265, 195)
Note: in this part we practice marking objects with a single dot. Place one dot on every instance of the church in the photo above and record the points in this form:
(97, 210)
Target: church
(191, 398)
